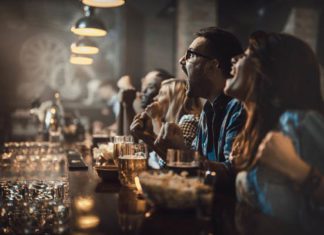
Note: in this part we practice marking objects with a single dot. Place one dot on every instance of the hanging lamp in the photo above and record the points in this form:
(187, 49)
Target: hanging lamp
(80, 60)
(89, 25)
(84, 46)
(104, 3)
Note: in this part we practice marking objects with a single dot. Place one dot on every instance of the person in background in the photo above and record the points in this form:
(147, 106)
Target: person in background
(207, 64)
(108, 93)
(170, 105)
(278, 80)
(150, 86)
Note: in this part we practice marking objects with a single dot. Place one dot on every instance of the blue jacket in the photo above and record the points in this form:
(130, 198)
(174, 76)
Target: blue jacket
(218, 126)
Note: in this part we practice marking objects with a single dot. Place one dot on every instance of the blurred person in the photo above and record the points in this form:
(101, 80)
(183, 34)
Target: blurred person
(151, 84)
(171, 105)
(207, 64)
(134, 102)
(108, 93)
(278, 80)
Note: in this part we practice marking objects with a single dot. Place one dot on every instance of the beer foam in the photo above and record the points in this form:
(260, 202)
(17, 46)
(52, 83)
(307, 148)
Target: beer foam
(132, 157)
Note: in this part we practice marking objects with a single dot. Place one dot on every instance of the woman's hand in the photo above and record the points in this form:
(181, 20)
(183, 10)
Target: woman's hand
(170, 136)
(141, 124)
(278, 152)
(154, 110)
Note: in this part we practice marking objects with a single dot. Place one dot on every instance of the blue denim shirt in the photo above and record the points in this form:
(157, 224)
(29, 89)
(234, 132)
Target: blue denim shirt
(273, 193)
(218, 126)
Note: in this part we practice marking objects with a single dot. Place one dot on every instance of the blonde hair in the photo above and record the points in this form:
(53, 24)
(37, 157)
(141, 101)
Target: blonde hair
(179, 103)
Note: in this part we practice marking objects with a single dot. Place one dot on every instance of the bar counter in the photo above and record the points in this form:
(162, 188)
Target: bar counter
(97, 207)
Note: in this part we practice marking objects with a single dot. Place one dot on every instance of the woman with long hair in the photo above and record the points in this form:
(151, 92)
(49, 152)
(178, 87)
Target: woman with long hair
(172, 106)
(278, 79)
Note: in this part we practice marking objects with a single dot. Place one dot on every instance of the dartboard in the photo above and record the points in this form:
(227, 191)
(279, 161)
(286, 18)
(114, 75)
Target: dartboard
(45, 58)
(41, 54)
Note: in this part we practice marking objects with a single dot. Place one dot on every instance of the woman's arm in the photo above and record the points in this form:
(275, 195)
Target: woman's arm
(277, 151)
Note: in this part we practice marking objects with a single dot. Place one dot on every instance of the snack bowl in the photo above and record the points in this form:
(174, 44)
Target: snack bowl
(169, 191)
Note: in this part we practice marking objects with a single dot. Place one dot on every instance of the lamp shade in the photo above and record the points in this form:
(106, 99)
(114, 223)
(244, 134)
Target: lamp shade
(89, 26)
(104, 3)
(84, 46)
(81, 60)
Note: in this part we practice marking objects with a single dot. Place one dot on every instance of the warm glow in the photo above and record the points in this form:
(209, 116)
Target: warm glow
(88, 221)
(138, 185)
(148, 214)
(81, 60)
(89, 32)
(84, 203)
(90, 50)
(104, 3)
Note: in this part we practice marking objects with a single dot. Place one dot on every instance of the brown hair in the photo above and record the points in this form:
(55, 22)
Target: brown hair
(221, 45)
(286, 77)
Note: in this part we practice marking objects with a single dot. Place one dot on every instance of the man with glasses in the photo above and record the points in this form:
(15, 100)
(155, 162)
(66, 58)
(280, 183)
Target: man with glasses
(207, 64)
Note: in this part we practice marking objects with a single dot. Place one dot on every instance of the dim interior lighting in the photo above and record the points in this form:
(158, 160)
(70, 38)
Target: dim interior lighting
(84, 46)
(81, 60)
(89, 25)
(104, 3)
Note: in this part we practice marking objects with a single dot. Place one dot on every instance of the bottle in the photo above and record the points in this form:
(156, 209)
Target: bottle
(54, 120)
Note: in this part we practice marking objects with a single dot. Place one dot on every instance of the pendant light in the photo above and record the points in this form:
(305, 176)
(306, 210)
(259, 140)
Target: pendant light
(84, 46)
(104, 3)
(80, 60)
(89, 25)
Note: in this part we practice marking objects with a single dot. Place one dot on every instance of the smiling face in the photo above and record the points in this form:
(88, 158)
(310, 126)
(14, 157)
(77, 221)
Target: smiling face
(241, 85)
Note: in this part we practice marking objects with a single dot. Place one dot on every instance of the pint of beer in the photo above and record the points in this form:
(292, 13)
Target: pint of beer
(119, 143)
(131, 162)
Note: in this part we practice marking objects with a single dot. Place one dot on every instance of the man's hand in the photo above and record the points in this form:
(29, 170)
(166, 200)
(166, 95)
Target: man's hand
(170, 136)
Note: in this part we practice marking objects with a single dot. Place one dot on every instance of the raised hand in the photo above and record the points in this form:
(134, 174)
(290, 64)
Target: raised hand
(154, 110)
(278, 152)
(170, 136)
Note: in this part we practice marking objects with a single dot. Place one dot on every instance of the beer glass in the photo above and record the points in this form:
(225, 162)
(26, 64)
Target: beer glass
(183, 160)
(119, 141)
(132, 161)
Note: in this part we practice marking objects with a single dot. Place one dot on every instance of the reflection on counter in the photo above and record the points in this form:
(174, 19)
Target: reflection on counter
(88, 221)
(84, 204)
(131, 210)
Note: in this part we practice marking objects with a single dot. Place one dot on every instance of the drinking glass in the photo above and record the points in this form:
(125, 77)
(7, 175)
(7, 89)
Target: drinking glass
(119, 141)
(183, 160)
(132, 161)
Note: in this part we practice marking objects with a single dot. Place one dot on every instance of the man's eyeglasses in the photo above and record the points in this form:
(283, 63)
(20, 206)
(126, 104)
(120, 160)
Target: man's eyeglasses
(190, 54)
